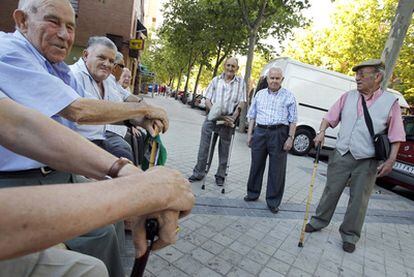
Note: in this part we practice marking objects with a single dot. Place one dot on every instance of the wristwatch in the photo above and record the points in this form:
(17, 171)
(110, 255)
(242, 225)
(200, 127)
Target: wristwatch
(291, 136)
(320, 131)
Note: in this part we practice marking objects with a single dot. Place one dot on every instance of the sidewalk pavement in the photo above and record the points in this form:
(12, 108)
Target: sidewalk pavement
(226, 236)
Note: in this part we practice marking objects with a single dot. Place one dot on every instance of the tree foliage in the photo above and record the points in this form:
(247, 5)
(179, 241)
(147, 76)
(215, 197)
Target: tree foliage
(359, 32)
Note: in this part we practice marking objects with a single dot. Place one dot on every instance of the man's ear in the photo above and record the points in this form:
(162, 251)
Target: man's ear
(20, 19)
(85, 54)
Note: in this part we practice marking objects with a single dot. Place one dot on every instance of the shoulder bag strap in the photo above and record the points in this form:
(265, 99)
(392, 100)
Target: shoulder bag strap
(367, 117)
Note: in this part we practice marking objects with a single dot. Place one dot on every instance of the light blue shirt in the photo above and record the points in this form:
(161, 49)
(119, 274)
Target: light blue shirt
(91, 88)
(29, 79)
(271, 108)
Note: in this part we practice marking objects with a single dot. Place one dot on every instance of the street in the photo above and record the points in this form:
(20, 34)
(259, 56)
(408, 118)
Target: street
(225, 236)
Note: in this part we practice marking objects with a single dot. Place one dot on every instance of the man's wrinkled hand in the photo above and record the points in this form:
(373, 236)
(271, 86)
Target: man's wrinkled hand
(167, 234)
(288, 144)
(177, 189)
(320, 138)
(158, 114)
(385, 168)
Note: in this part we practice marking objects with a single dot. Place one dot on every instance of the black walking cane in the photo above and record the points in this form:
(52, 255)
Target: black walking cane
(305, 220)
(151, 228)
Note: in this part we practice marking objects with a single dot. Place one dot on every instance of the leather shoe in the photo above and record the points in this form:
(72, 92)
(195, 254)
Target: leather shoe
(274, 210)
(348, 247)
(193, 178)
(248, 199)
(309, 228)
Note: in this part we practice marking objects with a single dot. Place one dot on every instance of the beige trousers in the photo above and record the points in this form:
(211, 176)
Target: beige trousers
(53, 262)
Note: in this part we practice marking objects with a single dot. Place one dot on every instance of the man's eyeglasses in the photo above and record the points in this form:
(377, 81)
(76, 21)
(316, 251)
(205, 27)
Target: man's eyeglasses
(365, 74)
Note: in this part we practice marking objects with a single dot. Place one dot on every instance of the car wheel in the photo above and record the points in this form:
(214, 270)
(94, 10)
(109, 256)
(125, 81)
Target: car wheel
(302, 142)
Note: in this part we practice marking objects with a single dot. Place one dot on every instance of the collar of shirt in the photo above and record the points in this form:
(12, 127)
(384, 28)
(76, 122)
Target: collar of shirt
(275, 92)
(223, 77)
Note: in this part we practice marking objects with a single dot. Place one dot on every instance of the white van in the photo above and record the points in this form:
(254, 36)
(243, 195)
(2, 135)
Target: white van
(316, 90)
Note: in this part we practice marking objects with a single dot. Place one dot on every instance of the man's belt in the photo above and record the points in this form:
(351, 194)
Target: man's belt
(271, 127)
(43, 171)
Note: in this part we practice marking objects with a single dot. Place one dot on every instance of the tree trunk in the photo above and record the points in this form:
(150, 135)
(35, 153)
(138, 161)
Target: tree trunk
(178, 83)
(217, 60)
(396, 37)
(190, 67)
(252, 43)
(200, 69)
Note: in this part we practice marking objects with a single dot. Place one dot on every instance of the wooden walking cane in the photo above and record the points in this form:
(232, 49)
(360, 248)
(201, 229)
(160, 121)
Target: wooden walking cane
(154, 149)
(305, 220)
(151, 228)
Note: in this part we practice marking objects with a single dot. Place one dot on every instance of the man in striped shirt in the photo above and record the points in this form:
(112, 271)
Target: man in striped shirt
(228, 93)
(274, 113)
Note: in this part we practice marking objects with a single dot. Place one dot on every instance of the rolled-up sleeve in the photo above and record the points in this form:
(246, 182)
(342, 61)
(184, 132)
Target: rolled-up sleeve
(396, 132)
(334, 114)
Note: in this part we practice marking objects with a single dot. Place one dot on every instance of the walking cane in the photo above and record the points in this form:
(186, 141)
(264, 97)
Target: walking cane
(151, 228)
(305, 220)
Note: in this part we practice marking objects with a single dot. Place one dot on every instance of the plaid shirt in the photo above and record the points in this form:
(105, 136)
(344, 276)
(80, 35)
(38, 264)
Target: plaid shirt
(230, 94)
(271, 108)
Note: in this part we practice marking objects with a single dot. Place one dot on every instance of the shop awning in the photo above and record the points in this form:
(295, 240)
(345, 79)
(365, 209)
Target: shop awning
(141, 29)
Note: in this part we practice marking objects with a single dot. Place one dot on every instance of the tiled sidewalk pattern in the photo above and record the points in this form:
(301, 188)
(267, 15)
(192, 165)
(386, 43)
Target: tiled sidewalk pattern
(225, 236)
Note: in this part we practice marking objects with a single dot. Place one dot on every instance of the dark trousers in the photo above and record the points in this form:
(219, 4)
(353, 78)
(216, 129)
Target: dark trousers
(116, 145)
(268, 142)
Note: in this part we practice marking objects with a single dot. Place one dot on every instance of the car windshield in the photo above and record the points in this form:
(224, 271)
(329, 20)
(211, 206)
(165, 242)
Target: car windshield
(409, 128)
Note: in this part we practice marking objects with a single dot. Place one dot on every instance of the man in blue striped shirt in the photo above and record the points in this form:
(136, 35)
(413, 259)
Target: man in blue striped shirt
(273, 116)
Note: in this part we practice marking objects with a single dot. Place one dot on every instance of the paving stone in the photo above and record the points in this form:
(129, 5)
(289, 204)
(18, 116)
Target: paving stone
(201, 255)
(323, 272)
(238, 272)
(296, 272)
(222, 239)
(231, 256)
(267, 272)
(171, 271)
(155, 264)
(278, 265)
(195, 238)
(206, 272)
(212, 247)
(250, 266)
(188, 265)
(240, 247)
(184, 246)
(258, 256)
(169, 254)
(219, 265)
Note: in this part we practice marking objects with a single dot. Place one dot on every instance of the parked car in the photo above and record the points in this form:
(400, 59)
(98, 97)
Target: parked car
(403, 171)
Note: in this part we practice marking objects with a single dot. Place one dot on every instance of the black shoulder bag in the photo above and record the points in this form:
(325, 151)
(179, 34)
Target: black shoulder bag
(381, 143)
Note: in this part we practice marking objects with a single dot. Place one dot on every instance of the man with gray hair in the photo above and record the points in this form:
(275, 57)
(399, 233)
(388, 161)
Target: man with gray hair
(273, 116)
(93, 72)
(354, 159)
(34, 75)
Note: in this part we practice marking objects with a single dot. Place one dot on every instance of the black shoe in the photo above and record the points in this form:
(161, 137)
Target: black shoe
(248, 199)
(348, 247)
(309, 228)
(193, 178)
(274, 210)
(219, 181)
